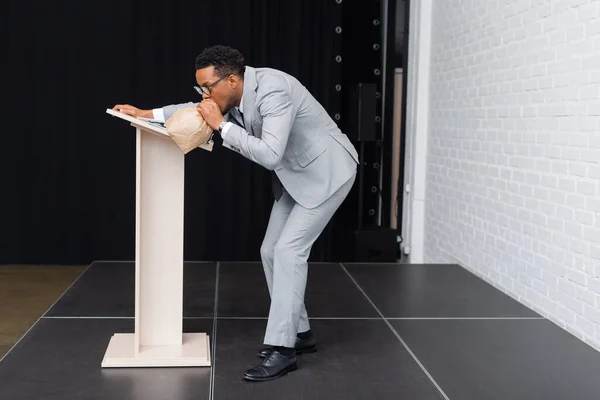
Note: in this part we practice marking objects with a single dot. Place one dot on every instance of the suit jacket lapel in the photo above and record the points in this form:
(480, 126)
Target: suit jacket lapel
(236, 118)
(249, 97)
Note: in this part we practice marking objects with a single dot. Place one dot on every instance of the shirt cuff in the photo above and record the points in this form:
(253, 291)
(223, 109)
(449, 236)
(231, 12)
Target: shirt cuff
(158, 114)
(225, 129)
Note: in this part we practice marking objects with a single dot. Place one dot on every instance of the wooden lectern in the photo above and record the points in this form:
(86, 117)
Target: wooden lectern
(158, 340)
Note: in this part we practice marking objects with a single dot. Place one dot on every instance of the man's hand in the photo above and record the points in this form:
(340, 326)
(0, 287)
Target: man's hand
(133, 111)
(211, 113)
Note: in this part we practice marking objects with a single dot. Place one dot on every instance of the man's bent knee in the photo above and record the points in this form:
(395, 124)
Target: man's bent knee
(289, 251)
(267, 252)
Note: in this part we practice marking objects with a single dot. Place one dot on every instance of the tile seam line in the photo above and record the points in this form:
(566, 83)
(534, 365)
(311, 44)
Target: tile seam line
(396, 334)
(211, 394)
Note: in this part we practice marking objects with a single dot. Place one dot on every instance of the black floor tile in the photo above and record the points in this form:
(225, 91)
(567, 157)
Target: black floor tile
(60, 359)
(504, 359)
(357, 359)
(108, 290)
(199, 281)
(412, 290)
(243, 292)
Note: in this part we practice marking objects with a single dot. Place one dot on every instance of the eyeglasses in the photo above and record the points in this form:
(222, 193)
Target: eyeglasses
(206, 89)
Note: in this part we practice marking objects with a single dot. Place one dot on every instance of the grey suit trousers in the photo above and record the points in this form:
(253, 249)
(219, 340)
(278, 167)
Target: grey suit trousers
(290, 234)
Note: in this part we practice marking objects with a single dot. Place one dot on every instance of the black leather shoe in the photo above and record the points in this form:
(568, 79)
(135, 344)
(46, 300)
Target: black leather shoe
(302, 346)
(272, 367)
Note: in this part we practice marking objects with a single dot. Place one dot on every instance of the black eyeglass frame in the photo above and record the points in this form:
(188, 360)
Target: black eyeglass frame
(206, 89)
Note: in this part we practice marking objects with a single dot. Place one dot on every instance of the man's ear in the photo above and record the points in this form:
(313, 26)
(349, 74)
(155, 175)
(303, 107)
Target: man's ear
(234, 80)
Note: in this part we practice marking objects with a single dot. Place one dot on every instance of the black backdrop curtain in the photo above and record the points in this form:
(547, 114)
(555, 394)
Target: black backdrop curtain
(68, 168)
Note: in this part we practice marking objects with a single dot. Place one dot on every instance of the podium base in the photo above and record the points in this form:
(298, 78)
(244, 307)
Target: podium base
(195, 352)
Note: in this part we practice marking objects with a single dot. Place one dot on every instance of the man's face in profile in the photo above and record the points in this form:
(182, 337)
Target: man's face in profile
(216, 88)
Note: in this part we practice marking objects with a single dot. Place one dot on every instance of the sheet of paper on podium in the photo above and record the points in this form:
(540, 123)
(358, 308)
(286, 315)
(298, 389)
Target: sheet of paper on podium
(152, 125)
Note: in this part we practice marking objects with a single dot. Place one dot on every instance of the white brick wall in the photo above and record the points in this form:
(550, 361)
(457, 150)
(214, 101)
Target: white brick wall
(513, 162)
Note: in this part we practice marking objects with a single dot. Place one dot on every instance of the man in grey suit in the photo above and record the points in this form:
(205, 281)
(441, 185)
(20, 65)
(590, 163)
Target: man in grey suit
(270, 118)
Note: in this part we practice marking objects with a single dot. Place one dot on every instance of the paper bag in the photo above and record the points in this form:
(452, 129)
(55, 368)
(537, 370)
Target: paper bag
(188, 129)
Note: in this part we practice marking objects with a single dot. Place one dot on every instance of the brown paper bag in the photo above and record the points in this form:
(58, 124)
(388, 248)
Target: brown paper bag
(188, 129)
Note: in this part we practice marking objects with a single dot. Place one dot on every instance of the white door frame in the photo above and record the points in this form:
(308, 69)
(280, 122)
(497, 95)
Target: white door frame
(417, 130)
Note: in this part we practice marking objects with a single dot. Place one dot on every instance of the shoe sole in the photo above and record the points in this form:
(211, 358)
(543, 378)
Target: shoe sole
(289, 369)
(298, 352)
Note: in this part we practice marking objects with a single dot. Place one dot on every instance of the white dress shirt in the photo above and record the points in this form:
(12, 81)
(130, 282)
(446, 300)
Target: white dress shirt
(228, 124)
(158, 114)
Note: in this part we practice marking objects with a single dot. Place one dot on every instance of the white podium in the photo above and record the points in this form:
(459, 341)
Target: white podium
(158, 340)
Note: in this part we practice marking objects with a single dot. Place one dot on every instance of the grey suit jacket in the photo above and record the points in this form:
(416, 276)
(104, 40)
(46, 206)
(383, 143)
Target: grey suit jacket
(289, 132)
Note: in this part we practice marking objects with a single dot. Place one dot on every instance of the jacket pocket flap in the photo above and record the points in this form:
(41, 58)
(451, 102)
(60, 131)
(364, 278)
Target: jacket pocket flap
(312, 152)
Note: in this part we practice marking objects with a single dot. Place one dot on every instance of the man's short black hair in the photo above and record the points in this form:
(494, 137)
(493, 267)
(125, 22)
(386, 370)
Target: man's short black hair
(224, 59)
